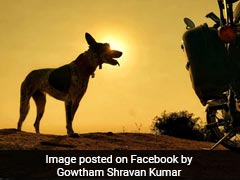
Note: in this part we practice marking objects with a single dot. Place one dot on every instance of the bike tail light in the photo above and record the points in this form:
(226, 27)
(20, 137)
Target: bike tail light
(227, 33)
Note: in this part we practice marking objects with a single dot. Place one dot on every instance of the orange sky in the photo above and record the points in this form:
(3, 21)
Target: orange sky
(152, 76)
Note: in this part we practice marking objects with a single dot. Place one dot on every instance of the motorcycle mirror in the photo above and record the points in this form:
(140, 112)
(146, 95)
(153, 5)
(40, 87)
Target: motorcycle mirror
(189, 23)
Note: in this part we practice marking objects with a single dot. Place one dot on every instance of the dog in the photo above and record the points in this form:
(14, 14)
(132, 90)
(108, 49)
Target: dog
(67, 83)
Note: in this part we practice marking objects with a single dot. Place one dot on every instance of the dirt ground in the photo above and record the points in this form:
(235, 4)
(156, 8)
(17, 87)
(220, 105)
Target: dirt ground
(11, 139)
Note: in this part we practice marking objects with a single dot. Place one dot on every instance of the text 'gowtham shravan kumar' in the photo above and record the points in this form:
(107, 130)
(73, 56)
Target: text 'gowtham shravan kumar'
(114, 172)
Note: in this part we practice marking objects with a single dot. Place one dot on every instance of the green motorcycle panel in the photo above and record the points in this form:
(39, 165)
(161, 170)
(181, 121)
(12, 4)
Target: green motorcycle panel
(208, 62)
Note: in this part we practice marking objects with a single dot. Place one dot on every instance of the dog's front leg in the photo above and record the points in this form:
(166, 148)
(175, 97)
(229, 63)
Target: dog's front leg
(70, 108)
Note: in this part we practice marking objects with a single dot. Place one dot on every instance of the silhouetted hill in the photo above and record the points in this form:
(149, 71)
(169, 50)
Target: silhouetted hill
(11, 139)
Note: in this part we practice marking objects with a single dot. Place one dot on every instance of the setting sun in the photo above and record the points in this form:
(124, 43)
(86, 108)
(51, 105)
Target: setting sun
(115, 42)
(120, 42)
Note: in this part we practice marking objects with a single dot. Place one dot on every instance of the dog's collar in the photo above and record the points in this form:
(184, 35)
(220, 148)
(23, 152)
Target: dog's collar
(85, 56)
(95, 53)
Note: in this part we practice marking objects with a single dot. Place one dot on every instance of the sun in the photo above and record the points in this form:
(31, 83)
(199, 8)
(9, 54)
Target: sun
(121, 42)
(116, 43)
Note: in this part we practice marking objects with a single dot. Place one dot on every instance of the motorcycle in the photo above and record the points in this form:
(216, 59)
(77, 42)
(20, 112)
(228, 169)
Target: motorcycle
(213, 62)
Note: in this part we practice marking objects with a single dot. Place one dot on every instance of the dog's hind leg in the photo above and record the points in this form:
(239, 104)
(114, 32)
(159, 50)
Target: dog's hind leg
(71, 109)
(24, 107)
(40, 101)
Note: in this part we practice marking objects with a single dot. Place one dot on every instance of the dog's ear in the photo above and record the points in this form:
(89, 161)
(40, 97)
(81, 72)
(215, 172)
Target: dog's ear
(90, 40)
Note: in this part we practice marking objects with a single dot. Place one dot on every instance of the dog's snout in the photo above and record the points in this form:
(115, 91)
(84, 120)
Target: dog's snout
(116, 54)
(120, 53)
